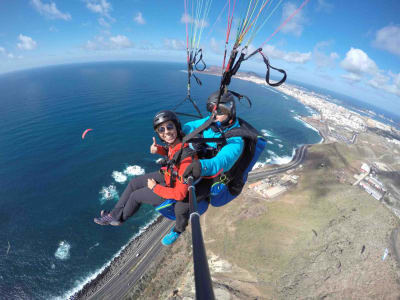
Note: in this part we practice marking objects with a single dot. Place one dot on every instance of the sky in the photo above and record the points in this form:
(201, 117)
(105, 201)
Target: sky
(347, 46)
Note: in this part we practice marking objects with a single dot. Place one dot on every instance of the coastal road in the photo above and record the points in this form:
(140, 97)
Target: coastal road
(297, 159)
(118, 285)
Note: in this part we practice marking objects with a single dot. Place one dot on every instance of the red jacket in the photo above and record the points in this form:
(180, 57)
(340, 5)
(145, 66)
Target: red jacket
(179, 191)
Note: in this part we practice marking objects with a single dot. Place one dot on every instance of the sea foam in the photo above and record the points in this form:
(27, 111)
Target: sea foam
(266, 132)
(305, 123)
(134, 170)
(119, 176)
(62, 251)
(280, 160)
(108, 193)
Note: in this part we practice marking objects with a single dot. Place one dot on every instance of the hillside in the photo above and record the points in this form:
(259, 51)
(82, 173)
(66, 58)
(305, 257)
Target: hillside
(323, 239)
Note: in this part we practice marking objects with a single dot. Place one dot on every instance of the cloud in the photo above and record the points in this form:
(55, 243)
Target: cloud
(189, 20)
(120, 41)
(292, 57)
(174, 44)
(216, 46)
(53, 29)
(359, 65)
(325, 6)
(295, 25)
(101, 7)
(145, 45)
(27, 43)
(139, 19)
(352, 77)
(107, 44)
(389, 83)
(103, 22)
(358, 62)
(9, 55)
(186, 19)
(50, 10)
(388, 38)
(321, 59)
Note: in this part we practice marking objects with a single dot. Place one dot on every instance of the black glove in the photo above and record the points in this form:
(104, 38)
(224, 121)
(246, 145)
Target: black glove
(194, 169)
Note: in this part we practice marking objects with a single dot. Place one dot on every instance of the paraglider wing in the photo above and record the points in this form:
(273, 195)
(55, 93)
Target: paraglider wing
(86, 131)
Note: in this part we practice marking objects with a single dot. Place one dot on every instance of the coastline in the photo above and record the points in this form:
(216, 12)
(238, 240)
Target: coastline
(94, 282)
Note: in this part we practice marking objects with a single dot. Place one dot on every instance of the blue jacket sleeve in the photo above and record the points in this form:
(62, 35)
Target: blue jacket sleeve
(225, 159)
(191, 126)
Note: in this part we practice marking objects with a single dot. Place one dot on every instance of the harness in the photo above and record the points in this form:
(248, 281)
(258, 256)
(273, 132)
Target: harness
(236, 177)
(170, 167)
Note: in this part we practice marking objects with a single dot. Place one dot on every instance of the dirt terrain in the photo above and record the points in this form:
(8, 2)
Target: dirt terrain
(323, 239)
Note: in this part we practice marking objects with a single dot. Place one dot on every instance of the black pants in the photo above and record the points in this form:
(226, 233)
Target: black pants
(137, 193)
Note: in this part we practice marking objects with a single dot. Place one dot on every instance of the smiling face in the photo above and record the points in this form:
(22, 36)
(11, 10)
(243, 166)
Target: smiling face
(167, 132)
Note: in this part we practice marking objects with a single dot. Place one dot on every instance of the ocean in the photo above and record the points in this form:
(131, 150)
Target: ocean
(53, 182)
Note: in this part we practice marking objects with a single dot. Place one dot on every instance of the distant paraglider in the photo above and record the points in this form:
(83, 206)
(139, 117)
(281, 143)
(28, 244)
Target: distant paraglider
(86, 131)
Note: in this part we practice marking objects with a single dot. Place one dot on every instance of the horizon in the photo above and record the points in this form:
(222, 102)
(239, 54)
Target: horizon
(289, 81)
(331, 45)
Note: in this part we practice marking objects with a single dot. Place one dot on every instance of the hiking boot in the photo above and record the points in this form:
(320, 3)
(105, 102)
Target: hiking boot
(170, 238)
(106, 219)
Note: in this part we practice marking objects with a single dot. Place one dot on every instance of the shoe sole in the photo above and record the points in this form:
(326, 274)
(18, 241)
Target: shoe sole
(99, 223)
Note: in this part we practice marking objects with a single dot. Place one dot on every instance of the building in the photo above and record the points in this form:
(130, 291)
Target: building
(370, 190)
(274, 191)
(375, 183)
(365, 168)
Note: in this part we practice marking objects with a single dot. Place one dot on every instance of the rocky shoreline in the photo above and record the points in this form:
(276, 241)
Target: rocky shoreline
(115, 265)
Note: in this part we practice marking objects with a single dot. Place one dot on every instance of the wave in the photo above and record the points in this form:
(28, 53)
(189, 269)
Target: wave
(305, 123)
(119, 176)
(280, 145)
(95, 245)
(111, 192)
(278, 140)
(311, 110)
(134, 170)
(92, 275)
(269, 142)
(108, 193)
(280, 160)
(272, 90)
(266, 132)
(286, 97)
(62, 251)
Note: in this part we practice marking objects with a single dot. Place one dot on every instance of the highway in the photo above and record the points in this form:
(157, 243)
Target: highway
(118, 286)
(297, 159)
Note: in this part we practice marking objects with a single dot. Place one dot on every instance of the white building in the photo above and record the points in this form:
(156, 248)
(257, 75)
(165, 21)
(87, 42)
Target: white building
(365, 168)
(370, 190)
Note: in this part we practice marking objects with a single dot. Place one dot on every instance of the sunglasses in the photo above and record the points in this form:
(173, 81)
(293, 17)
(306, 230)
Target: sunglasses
(168, 127)
(223, 108)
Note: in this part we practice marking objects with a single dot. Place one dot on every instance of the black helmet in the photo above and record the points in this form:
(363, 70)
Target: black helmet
(226, 104)
(167, 115)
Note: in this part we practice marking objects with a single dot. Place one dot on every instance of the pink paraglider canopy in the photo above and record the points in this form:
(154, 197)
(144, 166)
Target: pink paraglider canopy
(86, 131)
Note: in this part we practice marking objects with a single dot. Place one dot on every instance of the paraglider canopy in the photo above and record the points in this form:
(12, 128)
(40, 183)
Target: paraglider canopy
(86, 131)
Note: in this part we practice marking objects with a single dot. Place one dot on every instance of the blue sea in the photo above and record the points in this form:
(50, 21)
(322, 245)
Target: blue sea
(53, 182)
